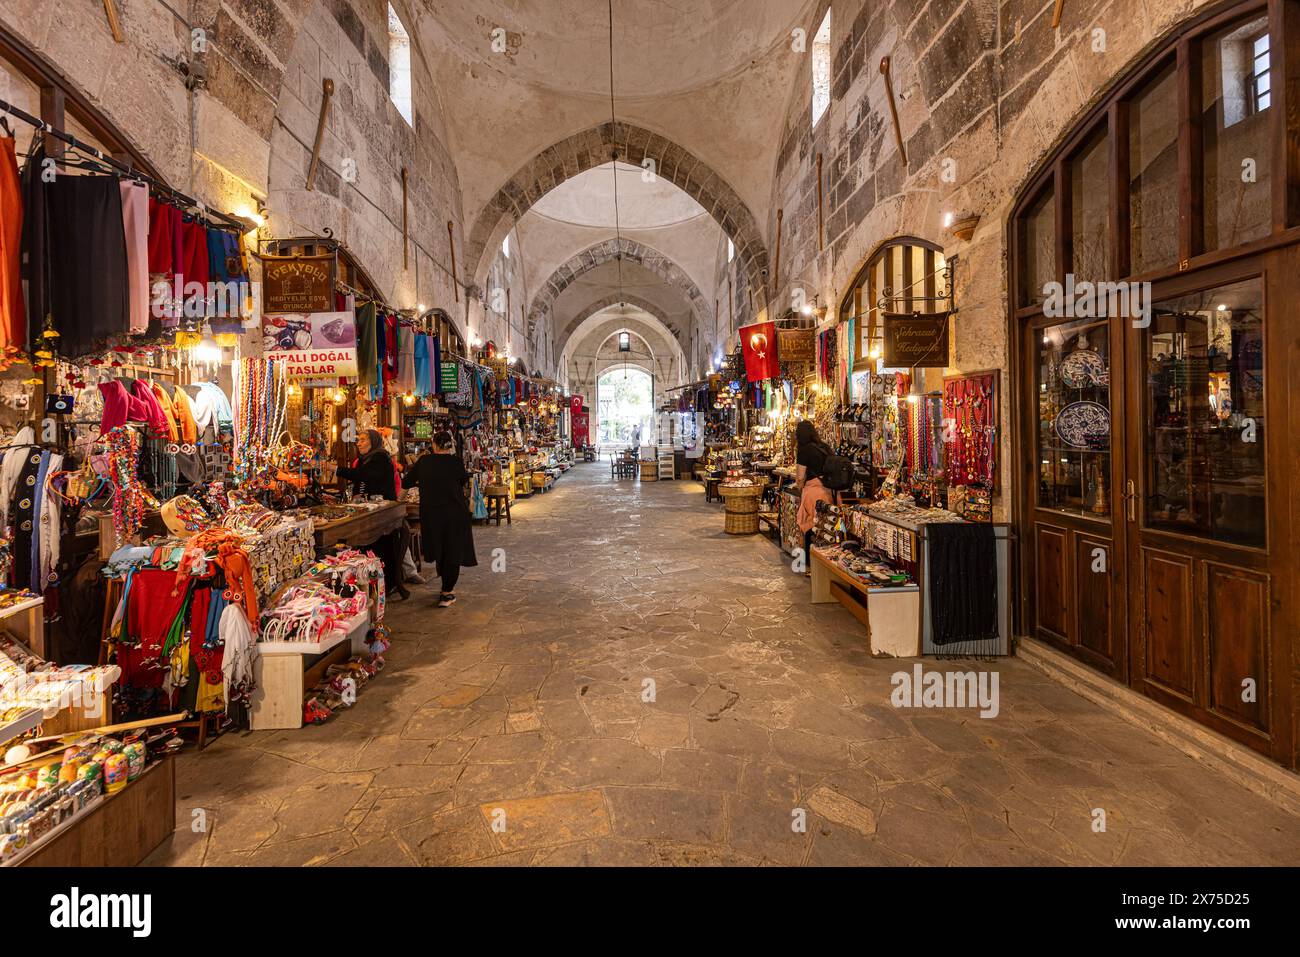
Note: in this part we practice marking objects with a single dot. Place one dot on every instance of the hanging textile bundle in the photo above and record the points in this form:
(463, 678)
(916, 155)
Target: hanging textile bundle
(131, 500)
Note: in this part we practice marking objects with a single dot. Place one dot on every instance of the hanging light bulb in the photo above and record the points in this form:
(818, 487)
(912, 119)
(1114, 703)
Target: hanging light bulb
(207, 350)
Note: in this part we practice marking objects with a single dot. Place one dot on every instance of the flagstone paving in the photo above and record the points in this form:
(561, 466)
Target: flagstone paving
(632, 686)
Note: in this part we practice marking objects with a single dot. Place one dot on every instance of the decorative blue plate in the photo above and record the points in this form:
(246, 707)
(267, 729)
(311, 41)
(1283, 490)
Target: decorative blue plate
(1082, 368)
(1083, 425)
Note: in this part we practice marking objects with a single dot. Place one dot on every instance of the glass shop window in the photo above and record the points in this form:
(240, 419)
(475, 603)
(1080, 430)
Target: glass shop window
(399, 65)
(1153, 173)
(1235, 96)
(1074, 418)
(821, 70)
(1204, 415)
(1090, 209)
(1037, 249)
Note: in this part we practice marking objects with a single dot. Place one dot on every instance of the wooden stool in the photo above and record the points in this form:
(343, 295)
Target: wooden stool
(711, 491)
(497, 498)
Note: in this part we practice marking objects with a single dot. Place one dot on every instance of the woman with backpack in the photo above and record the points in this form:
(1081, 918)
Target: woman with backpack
(810, 458)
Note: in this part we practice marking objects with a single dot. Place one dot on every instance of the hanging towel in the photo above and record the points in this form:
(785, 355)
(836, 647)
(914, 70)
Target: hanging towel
(13, 314)
(135, 226)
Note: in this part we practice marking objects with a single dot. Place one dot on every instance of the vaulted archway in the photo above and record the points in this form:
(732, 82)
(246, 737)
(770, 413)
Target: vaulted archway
(632, 144)
(637, 302)
(611, 250)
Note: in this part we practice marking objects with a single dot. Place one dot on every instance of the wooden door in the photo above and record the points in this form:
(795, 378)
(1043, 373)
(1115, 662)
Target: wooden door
(1074, 543)
(1199, 504)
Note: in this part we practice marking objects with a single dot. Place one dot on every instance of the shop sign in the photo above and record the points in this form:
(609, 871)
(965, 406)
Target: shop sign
(314, 345)
(297, 283)
(916, 340)
(796, 345)
(448, 377)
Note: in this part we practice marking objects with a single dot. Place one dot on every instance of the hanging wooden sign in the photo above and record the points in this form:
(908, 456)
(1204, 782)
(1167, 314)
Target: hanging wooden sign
(796, 345)
(298, 284)
(916, 340)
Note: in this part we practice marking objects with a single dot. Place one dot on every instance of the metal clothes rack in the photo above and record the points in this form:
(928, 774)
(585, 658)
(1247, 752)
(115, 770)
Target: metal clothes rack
(126, 169)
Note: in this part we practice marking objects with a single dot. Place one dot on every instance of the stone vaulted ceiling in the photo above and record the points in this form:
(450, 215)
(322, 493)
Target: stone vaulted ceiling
(700, 87)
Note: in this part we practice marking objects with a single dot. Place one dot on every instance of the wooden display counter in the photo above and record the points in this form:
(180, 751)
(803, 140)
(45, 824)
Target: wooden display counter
(891, 614)
(26, 622)
(362, 528)
(284, 670)
(118, 830)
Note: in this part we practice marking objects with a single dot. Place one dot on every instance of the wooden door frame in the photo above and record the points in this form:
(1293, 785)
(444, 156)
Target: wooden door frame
(1275, 257)
(1278, 273)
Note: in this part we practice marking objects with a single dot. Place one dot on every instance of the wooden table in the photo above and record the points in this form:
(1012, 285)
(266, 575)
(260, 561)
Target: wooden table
(362, 528)
(891, 614)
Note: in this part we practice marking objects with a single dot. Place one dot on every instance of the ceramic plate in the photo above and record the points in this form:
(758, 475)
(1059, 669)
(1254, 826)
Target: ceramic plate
(1083, 367)
(1083, 425)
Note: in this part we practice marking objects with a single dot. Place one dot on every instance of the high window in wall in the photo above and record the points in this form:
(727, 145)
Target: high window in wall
(399, 65)
(1154, 263)
(505, 246)
(821, 69)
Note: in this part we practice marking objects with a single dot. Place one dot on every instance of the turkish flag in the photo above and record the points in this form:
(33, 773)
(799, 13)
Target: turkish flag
(758, 343)
(575, 403)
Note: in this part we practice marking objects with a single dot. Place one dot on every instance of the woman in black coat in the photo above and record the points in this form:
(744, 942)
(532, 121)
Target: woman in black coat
(446, 528)
(374, 475)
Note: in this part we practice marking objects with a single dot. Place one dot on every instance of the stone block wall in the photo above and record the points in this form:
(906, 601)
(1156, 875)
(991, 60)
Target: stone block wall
(984, 90)
(222, 96)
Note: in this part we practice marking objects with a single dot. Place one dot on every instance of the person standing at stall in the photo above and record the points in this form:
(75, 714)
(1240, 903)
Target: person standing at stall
(810, 457)
(374, 474)
(446, 526)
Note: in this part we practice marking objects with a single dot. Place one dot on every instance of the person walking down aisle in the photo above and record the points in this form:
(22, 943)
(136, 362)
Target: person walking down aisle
(375, 474)
(811, 460)
(446, 528)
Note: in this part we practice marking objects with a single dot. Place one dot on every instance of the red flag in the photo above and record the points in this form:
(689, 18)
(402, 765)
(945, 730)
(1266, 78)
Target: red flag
(758, 343)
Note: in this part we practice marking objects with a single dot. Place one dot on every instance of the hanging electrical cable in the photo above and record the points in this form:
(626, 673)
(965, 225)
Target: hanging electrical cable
(613, 127)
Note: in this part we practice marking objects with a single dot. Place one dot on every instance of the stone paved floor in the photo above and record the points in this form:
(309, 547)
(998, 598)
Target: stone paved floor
(523, 705)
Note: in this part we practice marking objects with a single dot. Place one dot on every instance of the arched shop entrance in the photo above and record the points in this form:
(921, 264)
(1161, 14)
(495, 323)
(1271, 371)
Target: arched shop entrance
(624, 404)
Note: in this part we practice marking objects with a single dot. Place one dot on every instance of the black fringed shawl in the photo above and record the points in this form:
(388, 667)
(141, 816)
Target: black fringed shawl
(963, 574)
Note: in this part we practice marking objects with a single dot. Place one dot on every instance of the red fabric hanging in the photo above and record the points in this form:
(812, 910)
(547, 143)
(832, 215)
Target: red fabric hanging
(759, 344)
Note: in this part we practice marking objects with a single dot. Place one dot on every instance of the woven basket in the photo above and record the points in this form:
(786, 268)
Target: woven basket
(740, 524)
(742, 501)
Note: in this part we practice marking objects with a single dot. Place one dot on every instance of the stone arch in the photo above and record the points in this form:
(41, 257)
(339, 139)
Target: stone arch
(600, 305)
(607, 251)
(624, 327)
(594, 147)
(599, 327)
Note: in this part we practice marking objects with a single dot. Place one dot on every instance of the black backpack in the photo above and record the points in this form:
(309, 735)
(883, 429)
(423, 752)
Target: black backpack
(837, 473)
